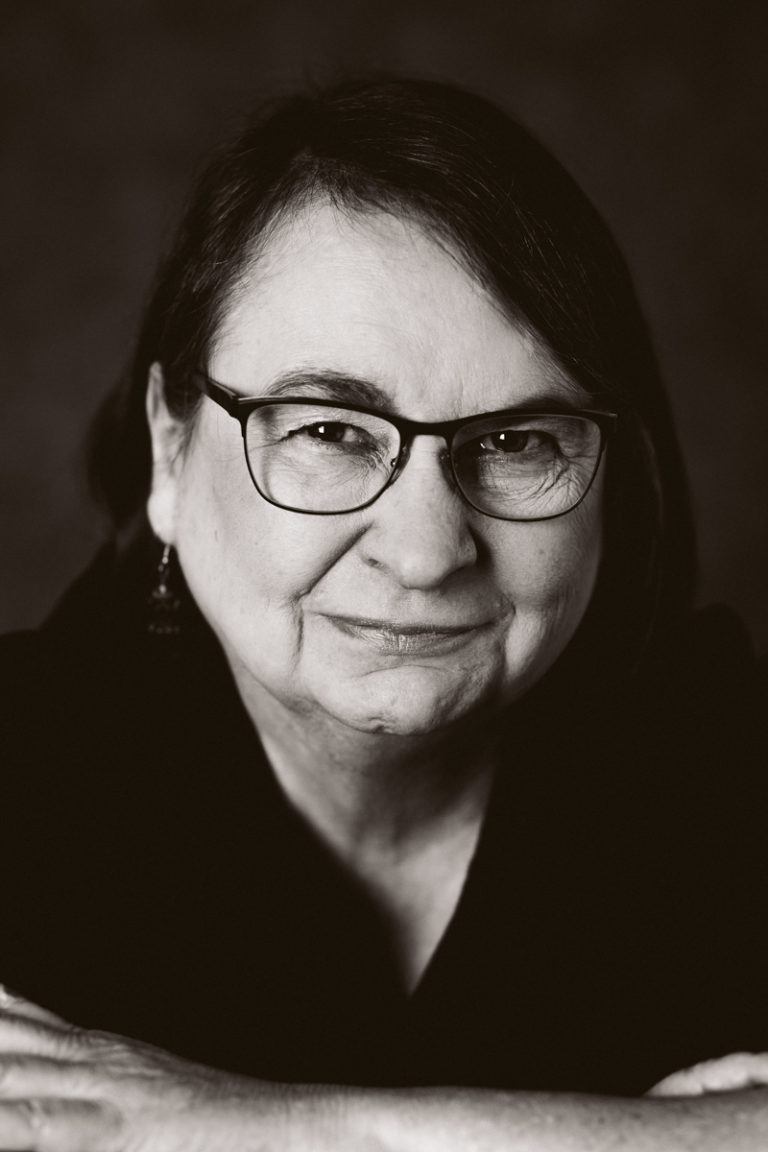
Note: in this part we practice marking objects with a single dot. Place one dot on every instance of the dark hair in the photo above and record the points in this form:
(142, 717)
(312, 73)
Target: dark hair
(523, 227)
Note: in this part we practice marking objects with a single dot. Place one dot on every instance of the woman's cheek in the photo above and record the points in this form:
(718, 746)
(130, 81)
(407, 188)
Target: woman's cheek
(248, 563)
(546, 564)
(549, 581)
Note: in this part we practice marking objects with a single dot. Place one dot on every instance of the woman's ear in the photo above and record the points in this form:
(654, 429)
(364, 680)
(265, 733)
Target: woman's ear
(167, 433)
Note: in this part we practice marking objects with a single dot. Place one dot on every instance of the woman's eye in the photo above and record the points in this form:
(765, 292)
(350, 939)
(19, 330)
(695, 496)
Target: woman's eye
(332, 432)
(350, 437)
(329, 431)
(516, 441)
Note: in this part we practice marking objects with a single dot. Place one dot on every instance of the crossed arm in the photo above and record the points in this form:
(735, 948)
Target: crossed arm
(63, 1089)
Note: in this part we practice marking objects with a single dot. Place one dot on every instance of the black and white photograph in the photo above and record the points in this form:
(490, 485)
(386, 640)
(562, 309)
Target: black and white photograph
(384, 591)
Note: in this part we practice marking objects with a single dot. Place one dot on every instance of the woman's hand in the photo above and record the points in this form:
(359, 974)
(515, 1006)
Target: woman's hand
(65, 1089)
(728, 1074)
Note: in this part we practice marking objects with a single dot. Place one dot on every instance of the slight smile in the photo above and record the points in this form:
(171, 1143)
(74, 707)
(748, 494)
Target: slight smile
(407, 639)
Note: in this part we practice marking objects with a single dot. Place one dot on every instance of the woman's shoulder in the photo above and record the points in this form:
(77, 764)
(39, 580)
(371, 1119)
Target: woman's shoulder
(101, 623)
(98, 678)
(100, 718)
(704, 681)
(52, 681)
(66, 682)
(666, 752)
(699, 672)
(40, 667)
(707, 646)
(698, 702)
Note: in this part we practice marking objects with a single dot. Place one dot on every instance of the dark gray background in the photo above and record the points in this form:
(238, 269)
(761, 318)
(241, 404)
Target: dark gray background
(107, 108)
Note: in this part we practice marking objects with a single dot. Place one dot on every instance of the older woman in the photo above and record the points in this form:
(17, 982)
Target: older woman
(386, 756)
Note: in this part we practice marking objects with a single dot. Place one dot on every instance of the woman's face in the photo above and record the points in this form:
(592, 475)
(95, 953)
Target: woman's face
(317, 613)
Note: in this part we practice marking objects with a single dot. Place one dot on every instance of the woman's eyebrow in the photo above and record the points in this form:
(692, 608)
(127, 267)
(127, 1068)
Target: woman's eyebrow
(330, 385)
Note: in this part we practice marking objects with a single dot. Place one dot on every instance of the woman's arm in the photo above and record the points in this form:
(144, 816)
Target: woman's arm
(454, 1120)
(63, 1089)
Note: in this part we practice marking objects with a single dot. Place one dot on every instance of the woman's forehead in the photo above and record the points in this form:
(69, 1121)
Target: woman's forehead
(375, 297)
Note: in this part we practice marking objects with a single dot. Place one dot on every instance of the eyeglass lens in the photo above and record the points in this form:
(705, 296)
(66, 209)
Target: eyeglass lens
(314, 458)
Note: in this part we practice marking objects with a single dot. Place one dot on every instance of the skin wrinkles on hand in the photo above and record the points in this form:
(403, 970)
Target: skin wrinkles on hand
(64, 1089)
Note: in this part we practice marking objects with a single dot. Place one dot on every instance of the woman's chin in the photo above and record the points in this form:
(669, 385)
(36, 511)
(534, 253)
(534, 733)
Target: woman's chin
(409, 702)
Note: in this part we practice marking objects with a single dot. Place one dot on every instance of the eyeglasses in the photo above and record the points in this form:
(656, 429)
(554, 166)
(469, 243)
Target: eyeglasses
(323, 457)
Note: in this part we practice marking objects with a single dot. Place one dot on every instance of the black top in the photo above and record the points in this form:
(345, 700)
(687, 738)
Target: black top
(157, 884)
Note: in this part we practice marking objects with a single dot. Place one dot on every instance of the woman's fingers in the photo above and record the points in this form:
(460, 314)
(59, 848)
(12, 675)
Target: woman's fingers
(21, 1034)
(17, 1005)
(42, 1124)
(64, 1089)
(27, 1036)
(22, 1076)
(728, 1074)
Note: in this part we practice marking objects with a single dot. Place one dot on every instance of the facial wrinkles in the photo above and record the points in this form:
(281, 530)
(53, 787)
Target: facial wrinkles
(428, 369)
(364, 317)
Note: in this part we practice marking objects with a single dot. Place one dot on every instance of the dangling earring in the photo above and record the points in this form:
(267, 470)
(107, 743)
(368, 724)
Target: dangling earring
(163, 602)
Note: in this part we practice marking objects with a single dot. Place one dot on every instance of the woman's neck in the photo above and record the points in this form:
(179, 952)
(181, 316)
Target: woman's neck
(362, 788)
(401, 815)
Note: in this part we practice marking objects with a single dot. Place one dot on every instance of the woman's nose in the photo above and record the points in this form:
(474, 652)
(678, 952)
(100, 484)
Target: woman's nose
(420, 530)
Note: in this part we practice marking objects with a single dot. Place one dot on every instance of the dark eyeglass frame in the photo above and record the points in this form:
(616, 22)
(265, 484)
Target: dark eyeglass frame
(241, 407)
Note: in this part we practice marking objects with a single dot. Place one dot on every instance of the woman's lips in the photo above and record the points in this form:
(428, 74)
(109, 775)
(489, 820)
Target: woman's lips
(404, 639)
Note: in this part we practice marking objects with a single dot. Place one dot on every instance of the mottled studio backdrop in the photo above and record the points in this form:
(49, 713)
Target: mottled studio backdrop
(659, 109)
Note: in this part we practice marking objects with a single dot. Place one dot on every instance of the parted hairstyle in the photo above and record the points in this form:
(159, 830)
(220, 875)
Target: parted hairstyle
(481, 184)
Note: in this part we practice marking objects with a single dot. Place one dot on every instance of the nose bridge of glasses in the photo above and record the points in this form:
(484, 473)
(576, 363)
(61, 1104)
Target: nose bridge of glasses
(412, 434)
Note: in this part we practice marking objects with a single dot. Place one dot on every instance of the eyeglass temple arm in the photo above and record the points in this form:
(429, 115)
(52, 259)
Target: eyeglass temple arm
(226, 397)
